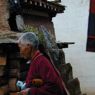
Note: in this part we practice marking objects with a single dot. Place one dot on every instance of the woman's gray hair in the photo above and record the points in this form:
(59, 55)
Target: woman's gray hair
(29, 38)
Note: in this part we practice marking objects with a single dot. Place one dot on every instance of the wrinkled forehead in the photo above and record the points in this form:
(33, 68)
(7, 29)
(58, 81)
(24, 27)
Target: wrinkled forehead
(24, 44)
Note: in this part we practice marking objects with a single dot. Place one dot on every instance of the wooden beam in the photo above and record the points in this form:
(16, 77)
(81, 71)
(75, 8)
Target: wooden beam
(34, 12)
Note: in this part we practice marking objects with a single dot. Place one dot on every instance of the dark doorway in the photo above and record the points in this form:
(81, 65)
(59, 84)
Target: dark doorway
(12, 22)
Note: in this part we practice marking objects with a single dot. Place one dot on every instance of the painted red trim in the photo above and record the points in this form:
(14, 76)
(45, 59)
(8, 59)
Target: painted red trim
(91, 37)
(90, 49)
(92, 6)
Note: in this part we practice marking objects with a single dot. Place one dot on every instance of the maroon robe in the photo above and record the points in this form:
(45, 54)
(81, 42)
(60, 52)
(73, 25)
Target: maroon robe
(41, 67)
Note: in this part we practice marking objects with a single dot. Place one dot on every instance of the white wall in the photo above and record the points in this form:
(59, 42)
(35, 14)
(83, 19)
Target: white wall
(71, 26)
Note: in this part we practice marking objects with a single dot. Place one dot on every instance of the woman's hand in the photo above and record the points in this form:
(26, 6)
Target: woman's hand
(25, 91)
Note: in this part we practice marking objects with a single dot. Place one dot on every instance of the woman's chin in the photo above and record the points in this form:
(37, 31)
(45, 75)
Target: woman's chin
(24, 56)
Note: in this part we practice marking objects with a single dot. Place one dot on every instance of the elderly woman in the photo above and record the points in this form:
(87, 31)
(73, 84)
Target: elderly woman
(42, 78)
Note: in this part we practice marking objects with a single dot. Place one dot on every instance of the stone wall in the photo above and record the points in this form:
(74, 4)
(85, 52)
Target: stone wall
(4, 14)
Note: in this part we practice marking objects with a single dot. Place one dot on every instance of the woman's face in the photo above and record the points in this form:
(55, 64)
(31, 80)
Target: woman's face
(25, 50)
